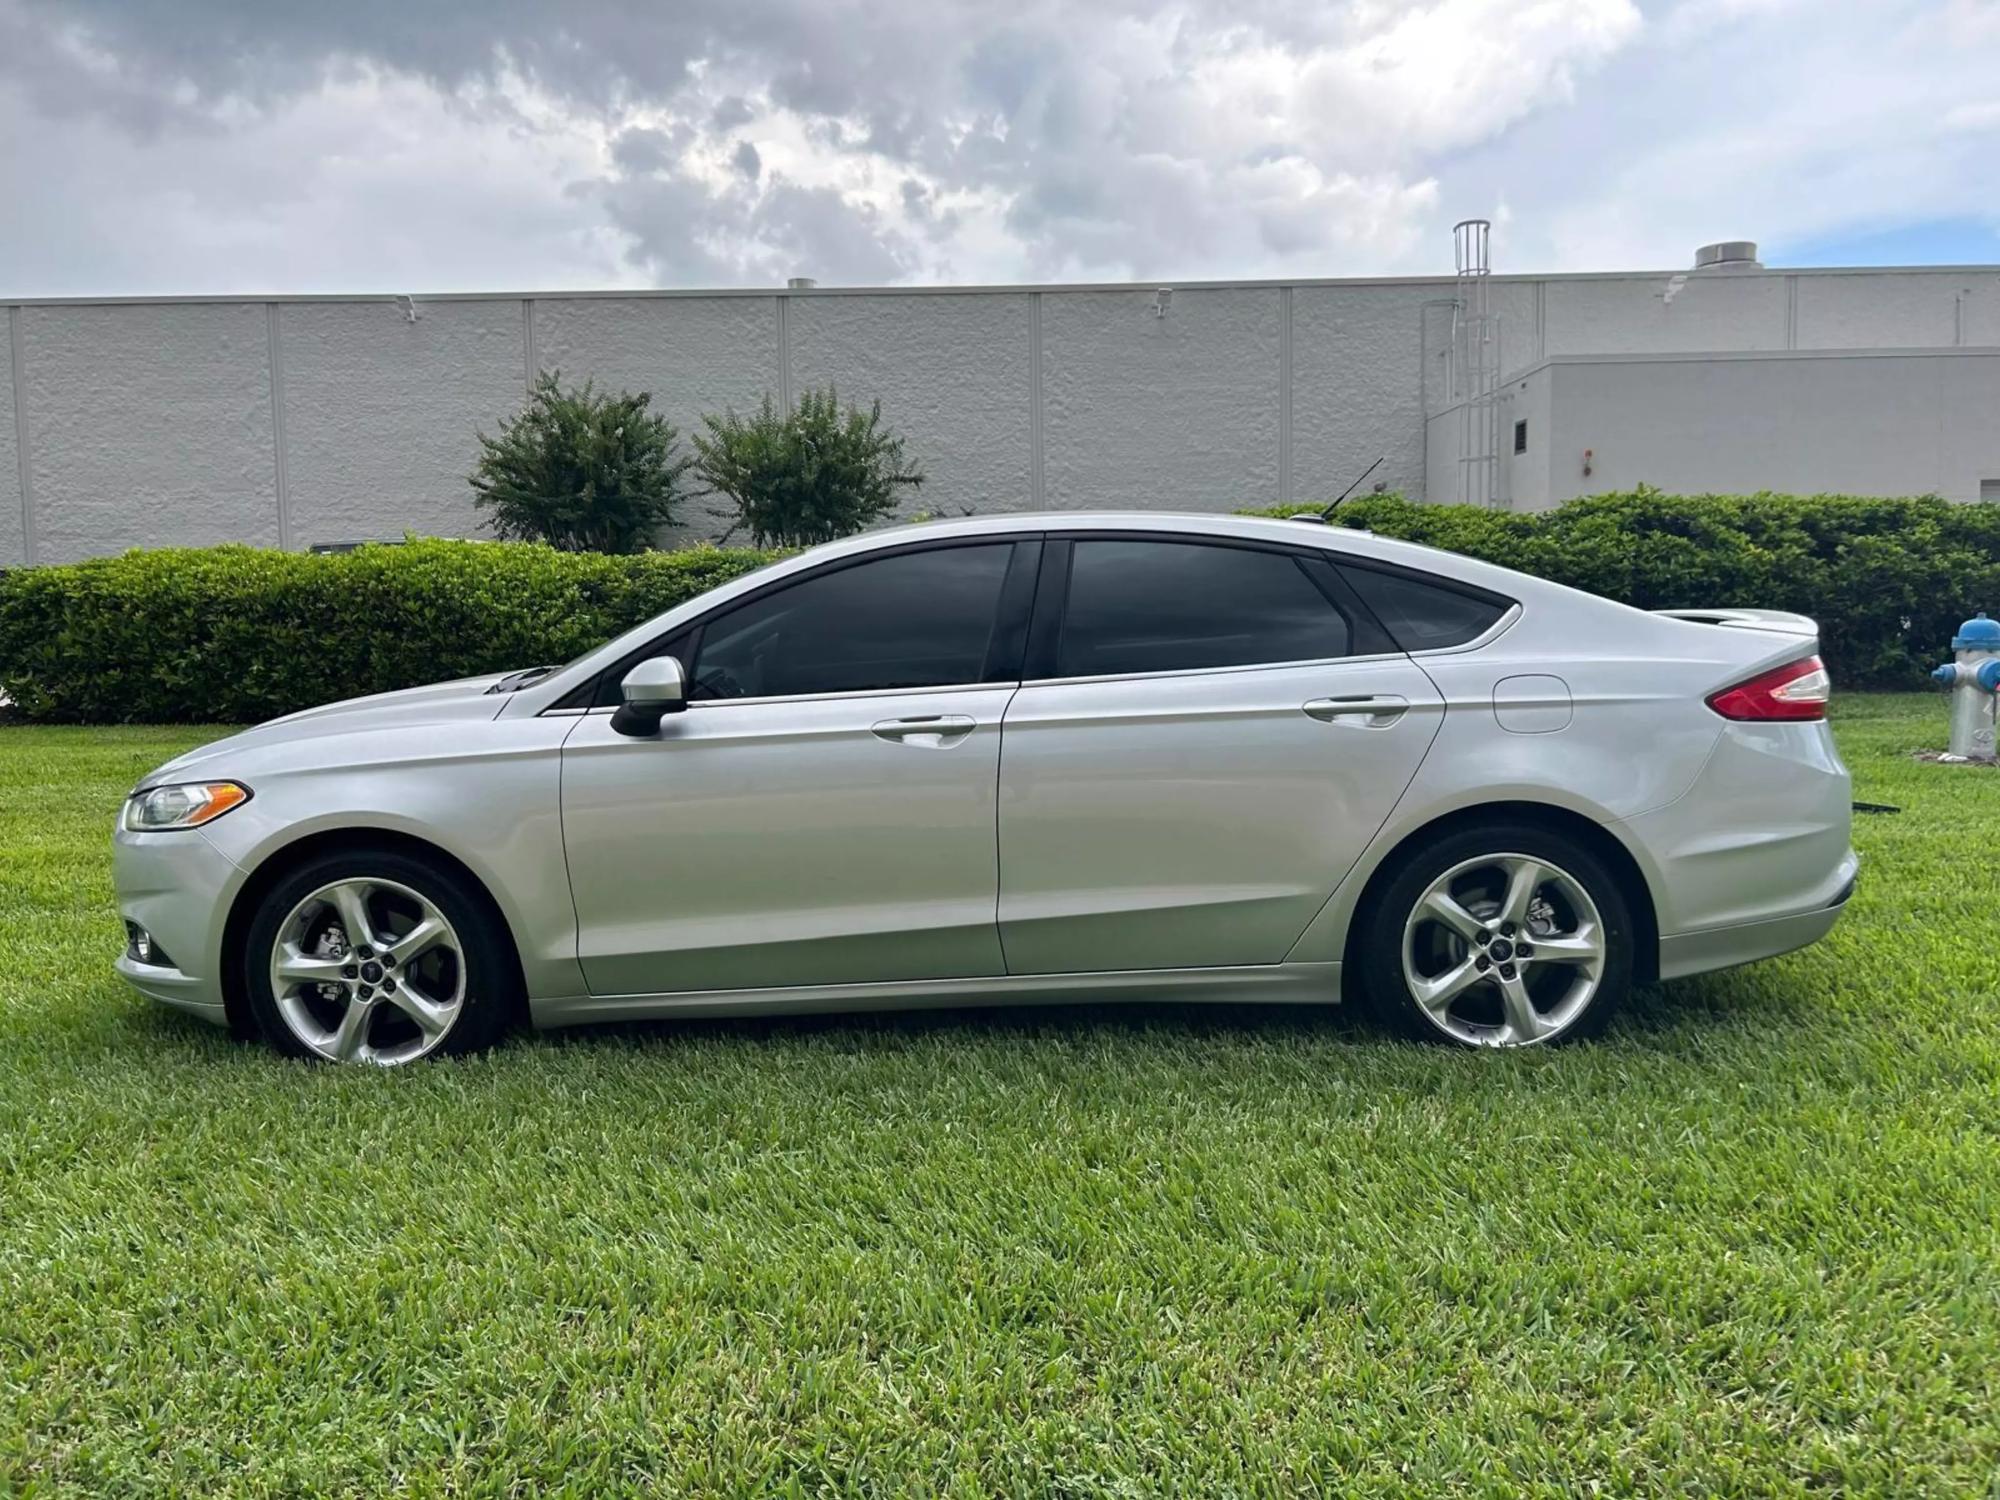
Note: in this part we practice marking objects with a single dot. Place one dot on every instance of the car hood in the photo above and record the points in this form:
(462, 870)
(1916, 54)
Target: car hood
(438, 703)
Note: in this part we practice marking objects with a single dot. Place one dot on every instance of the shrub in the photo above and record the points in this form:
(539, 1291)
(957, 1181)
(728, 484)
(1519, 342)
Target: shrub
(243, 633)
(806, 477)
(1888, 580)
(580, 471)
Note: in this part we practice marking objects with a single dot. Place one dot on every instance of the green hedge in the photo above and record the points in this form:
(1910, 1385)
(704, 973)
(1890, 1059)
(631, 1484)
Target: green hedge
(1888, 580)
(237, 634)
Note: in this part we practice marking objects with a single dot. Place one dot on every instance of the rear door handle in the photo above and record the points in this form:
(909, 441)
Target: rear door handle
(930, 732)
(1376, 712)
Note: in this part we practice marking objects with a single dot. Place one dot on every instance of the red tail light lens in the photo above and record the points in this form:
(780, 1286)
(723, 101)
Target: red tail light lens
(1797, 690)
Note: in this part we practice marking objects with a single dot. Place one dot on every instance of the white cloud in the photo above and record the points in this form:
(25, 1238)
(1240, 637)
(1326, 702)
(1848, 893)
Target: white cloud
(1773, 130)
(507, 144)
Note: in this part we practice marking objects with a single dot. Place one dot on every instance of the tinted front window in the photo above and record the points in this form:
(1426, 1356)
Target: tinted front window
(918, 619)
(1421, 615)
(1146, 606)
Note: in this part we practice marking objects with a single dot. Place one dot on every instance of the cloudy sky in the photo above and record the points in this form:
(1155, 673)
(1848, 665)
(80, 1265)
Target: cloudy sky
(162, 146)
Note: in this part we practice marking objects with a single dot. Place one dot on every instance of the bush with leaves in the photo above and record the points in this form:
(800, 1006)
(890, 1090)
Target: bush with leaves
(581, 471)
(1888, 580)
(239, 633)
(805, 477)
(236, 634)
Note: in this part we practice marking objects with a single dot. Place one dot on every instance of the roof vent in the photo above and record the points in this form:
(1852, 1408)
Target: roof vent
(1728, 255)
(807, 283)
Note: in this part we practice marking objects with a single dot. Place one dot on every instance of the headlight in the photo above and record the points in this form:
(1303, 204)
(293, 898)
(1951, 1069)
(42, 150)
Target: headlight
(184, 805)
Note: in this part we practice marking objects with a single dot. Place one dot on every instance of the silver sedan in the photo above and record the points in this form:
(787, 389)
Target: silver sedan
(1022, 758)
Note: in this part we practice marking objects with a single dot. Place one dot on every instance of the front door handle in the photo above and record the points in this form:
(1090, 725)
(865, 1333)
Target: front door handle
(930, 732)
(1377, 712)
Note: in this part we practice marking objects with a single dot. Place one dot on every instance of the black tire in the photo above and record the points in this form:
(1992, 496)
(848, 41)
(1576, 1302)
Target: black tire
(492, 985)
(1378, 950)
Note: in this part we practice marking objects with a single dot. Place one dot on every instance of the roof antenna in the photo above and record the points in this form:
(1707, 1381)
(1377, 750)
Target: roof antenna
(1327, 514)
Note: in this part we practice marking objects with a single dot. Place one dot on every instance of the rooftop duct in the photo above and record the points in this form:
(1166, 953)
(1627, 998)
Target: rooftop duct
(1728, 255)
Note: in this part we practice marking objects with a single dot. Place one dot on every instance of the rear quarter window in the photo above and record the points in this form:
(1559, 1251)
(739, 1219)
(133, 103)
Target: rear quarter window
(1424, 613)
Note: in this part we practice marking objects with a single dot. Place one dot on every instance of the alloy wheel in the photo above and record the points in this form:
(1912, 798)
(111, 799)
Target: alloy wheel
(368, 971)
(1504, 950)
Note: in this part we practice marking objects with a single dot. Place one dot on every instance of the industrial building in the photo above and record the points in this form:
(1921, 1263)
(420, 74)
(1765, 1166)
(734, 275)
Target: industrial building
(305, 421)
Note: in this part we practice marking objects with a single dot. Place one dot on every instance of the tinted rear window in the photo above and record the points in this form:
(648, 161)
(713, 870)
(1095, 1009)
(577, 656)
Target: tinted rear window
(1425, 614)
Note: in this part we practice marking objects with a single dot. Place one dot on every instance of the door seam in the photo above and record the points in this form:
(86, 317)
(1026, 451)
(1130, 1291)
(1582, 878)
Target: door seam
(999, 867)
(1444, 709)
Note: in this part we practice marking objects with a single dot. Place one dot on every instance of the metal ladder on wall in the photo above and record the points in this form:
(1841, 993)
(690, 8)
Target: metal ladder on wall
(1475, 367)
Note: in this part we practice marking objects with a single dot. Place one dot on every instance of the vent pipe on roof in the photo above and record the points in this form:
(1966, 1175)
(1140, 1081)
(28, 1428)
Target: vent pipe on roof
(1728, 255)
(801, 284)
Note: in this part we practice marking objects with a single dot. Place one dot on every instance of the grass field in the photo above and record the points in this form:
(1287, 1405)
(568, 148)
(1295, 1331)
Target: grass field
(1750, 1243)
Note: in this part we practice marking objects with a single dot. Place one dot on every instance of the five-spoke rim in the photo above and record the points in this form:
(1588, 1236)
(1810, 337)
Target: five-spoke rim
(1505, 950)
(367, 970)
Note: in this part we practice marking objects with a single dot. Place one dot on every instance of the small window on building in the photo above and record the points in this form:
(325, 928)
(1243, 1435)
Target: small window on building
(1989, 491)
(1521, 436)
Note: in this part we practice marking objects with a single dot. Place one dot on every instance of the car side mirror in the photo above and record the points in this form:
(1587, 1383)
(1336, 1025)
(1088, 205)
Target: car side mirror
(651, 690)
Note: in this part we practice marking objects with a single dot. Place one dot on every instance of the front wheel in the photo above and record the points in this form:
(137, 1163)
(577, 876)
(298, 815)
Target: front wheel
(1501, 936)
(376, 957)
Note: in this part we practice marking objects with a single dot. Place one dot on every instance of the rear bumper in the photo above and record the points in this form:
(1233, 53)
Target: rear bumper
(1746, 942)
(1762, 835)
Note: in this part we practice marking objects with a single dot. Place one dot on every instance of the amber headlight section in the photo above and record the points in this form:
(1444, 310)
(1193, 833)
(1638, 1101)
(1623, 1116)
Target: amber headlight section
(160, 809)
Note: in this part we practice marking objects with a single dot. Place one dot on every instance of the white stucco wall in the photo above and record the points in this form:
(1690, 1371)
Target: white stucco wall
(1906, 310)
(1441, 449)
(1855, 423)
(1678, 313)
(952, 374)
(380, 413)
(1528, 476)
(304, 420)
(152, 430)
(1357, 388)
(1151, 413)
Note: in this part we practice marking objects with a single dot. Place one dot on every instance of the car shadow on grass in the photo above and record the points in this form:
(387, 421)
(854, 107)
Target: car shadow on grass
(1056, 1020)
(1652, 1016)
(1762, 998)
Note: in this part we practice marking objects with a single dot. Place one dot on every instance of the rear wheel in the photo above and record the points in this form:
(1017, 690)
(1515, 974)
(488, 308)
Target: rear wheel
(1500, 936)
(373, 956)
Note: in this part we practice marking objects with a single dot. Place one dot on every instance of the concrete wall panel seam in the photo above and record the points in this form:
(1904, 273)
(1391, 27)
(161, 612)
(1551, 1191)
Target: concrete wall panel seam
(21, 456)
(275, 353)
(784, 309)
(1285, 395)
(531, 361)
(1037, 463)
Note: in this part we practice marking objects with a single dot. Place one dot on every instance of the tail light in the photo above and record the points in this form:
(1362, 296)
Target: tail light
(1797, 690)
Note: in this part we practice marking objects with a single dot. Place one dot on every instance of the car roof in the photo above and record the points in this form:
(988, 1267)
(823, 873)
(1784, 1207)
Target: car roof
(1340, 540)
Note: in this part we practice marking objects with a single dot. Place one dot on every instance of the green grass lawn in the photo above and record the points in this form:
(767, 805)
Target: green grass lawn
(1749, 1243)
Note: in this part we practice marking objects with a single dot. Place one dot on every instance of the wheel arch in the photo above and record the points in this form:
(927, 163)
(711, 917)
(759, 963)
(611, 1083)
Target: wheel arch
(280, 862)
(1590, 833)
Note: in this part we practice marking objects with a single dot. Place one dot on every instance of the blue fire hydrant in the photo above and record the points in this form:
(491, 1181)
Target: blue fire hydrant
(1973, 675)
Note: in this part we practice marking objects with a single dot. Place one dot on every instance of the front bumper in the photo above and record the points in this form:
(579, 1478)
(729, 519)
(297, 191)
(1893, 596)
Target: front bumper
(172, 987)
(178, 886)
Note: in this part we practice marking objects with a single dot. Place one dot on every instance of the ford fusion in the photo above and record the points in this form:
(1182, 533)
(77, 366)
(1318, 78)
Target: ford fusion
(1023, 758)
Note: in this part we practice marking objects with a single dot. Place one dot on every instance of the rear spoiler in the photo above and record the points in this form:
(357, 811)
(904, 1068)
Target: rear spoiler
(1776, 621)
